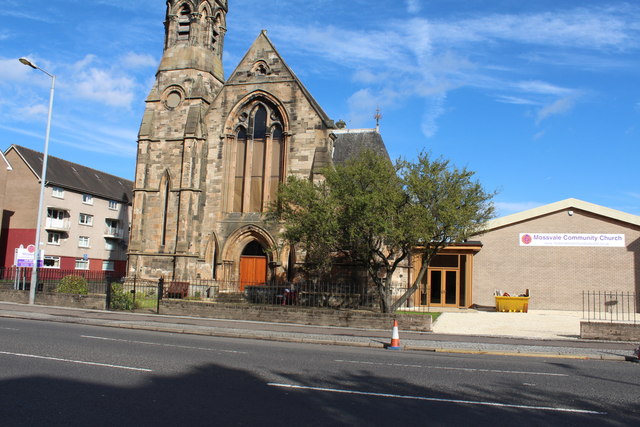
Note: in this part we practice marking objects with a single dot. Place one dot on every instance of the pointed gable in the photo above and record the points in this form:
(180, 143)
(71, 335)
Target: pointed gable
(262, 65)
(566, 204)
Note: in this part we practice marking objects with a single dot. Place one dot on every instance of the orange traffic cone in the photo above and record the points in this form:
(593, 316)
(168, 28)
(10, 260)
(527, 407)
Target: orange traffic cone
(395, 337)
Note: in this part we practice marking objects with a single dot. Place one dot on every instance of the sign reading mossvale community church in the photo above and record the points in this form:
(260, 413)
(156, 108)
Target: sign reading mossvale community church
(567, 239)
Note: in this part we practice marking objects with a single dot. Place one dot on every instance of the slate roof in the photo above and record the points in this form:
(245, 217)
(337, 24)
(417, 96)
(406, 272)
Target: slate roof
(73, 176)
(350, 144)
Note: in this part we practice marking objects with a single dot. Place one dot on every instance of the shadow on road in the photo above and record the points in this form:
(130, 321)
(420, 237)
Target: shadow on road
(217, 396)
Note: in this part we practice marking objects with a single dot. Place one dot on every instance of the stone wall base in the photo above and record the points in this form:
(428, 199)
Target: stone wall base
(610, 331)
(95, 302)
(301, 316)
(278, 314)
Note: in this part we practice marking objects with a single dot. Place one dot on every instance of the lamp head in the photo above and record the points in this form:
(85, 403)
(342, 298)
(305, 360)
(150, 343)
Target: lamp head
(25, 61)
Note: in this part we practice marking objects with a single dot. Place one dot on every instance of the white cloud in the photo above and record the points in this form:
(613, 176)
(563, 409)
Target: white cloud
(540, 87)
(351, 48)
(362, 105)
(560, 106)
(110, 87)
(103, 86)
(593, 29)
(516, 100)
(12, 70)
(21, 131)
(95, 137)
(427, 58)
(434, 110)
(19, 13)
(135, 60)
(413, 6)
(34, 110)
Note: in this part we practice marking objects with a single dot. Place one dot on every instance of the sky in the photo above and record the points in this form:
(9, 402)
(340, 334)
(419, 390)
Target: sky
(540, 98)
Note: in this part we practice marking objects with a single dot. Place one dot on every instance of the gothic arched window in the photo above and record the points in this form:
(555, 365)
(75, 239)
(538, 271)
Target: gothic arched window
(215, 31)
(184, 23)
(241, 159)
(165, 188)
(277, 152)
(259, 159)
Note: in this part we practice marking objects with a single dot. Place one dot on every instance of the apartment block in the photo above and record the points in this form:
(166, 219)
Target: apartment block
(85, 218)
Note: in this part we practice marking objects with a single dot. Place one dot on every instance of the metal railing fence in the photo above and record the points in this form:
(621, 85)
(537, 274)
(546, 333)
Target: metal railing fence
(611, 306)
(18, 278)
(130, 293)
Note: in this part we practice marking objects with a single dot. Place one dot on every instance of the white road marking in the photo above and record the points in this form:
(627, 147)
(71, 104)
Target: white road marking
(162, 345)
(80, 362)
(449, 368)
(10, 329)
(435, 399)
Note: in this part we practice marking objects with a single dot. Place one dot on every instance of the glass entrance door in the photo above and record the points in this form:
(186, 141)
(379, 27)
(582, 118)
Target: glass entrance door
(444, 287)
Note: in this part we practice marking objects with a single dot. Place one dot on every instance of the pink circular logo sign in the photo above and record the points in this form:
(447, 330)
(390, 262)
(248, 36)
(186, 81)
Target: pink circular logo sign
(526, 239)
(31, 249)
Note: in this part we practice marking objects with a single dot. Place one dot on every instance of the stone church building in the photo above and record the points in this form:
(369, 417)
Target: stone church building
(212, 152)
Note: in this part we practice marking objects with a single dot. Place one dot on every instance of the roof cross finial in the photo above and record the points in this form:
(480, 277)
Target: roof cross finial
(378, 116)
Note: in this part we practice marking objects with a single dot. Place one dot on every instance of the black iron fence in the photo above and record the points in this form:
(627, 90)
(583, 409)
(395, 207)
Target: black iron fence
(309, 294)
(610, 306)
(129, 293)
(134, 293)
(49, 279)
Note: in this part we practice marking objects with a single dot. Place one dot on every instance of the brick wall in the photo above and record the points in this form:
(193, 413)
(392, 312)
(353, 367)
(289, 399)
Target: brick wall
(556, 276)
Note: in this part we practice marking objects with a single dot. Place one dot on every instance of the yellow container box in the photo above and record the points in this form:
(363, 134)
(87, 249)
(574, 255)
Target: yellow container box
(512, 304)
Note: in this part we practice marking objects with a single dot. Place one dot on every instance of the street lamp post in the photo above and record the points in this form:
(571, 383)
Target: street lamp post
(43, 177)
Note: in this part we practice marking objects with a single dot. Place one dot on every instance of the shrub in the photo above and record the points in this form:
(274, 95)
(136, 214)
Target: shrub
(120, 300)
(73, 285)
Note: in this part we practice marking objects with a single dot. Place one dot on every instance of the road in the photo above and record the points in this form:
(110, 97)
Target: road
(64, 374)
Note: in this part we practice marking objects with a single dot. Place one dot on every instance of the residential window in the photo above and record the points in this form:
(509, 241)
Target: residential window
(57, 219)
(110, 245)
(112, 226)
(87, 199)
(51, 262)
(113, 205)
(86, 219)
(57, 192)
(82, 264)
(53, 238)
(55, 214)
(108, 266)
(83, 241)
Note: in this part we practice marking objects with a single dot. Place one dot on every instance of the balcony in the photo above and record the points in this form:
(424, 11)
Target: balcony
(61, 225)
(114, 233)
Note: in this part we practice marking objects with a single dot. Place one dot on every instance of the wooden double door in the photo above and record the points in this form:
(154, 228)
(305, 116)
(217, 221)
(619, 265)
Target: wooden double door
(253, 271)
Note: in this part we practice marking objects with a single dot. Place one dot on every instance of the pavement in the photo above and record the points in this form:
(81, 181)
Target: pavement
(539, 333)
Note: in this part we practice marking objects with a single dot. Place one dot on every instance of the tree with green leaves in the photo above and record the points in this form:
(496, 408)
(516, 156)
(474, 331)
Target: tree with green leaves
(375, 213)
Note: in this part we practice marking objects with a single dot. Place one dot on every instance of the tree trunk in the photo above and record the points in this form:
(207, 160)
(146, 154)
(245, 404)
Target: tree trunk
(412, 289)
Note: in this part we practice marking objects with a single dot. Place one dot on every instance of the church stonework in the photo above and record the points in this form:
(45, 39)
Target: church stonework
(211, 154)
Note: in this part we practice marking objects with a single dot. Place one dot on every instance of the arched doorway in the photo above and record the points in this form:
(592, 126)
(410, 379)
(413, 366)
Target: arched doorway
(253, 265)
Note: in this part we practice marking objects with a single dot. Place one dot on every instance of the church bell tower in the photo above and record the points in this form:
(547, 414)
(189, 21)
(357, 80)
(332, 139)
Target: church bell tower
(172, 142)
(194, 36)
